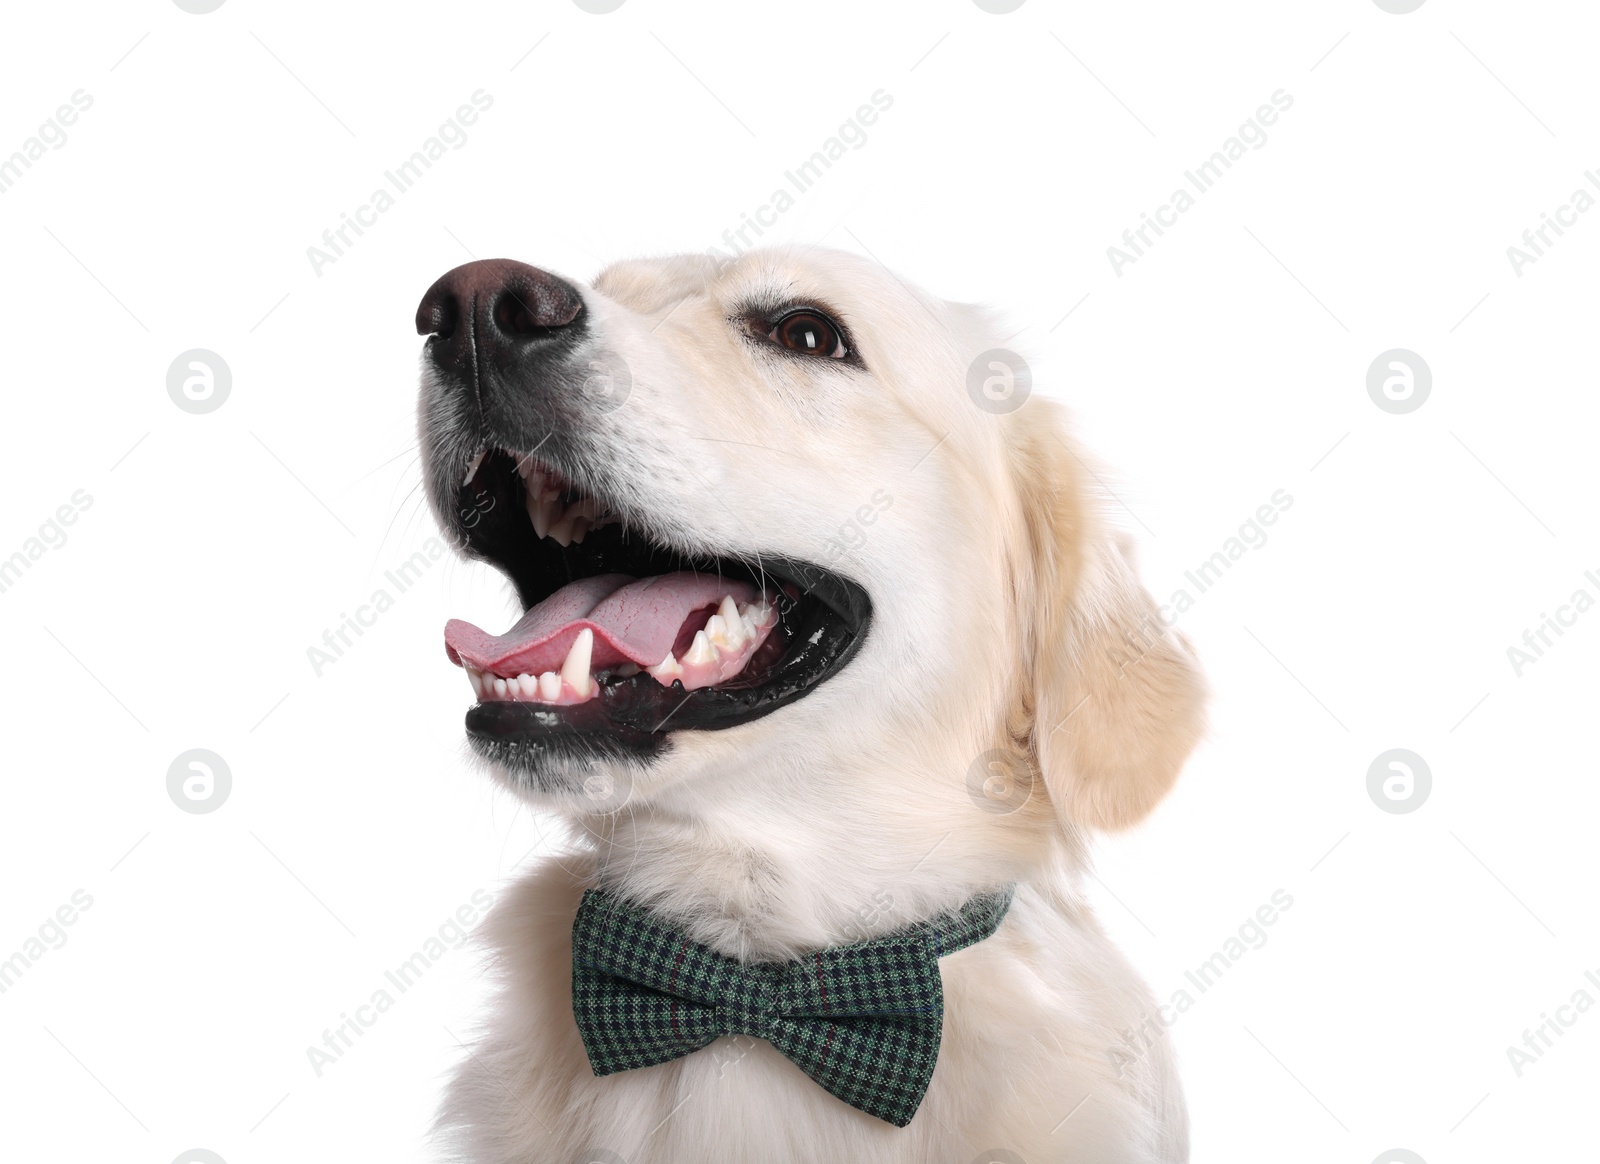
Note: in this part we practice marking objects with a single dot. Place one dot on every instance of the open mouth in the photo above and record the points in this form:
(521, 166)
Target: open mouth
(623, 639)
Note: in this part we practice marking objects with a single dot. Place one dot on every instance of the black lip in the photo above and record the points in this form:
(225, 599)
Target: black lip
(520, 735)
(824, 618)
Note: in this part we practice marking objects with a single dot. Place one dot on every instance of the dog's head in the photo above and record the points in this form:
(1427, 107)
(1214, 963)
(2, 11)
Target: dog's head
(765, 533)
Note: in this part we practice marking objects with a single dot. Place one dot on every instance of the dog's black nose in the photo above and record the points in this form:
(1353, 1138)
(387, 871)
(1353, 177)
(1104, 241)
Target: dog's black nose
(497, 306)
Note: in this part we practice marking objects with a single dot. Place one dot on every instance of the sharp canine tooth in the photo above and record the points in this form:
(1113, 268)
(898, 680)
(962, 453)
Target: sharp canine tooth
(735, 629)
(562, 529)
(475, 677)
(549, 687)
(700, 651)
(576, 668)
(540, 514)
(472, 467)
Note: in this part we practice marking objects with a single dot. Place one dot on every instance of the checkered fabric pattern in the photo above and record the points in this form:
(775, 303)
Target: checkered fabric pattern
(862, 1020)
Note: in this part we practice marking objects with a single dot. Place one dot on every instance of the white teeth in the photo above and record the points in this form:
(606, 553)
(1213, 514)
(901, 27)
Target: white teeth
(725, 632)
(700, 651)
(576, 668)
(472, 466)
(549, 516)
(727, 628)
(543, 515)
(758, 613)
(561, 531)
(553, 518)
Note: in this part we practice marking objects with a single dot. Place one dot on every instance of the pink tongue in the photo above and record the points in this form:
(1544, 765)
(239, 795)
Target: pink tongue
(635, 621)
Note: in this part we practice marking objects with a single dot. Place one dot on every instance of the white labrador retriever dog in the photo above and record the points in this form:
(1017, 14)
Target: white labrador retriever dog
(825, 639)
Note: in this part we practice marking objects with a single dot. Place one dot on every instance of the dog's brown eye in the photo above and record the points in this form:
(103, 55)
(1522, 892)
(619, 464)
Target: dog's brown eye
(810, 334)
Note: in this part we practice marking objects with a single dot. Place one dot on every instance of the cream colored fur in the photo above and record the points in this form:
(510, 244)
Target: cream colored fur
(1007, 621)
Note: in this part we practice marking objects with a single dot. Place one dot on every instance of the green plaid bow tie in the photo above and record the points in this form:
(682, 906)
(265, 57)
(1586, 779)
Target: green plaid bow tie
(862, 1020)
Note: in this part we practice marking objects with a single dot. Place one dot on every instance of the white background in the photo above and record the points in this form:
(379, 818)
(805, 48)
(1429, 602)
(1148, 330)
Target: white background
(1227, 363)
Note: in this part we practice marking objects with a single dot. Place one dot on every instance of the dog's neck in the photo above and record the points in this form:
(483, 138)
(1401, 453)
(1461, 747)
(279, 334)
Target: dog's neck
(770, 870)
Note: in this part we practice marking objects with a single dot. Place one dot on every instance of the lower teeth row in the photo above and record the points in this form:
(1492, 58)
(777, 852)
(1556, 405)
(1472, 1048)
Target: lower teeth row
(727, 631)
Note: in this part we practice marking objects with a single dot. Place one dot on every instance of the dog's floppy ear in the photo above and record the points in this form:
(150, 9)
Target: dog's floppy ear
(1117, 700)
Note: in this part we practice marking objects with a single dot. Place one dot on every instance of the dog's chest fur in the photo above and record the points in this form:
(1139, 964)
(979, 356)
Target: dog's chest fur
(1030, 1015)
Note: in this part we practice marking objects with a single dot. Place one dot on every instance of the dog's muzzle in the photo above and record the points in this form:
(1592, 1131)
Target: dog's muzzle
(626, 635)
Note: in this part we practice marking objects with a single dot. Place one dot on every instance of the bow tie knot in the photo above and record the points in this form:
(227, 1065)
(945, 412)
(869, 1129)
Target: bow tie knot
(753, 1012)
(861, 1020)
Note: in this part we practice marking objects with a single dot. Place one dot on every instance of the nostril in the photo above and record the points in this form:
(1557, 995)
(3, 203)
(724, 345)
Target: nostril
(438, 315)
(513, 316)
